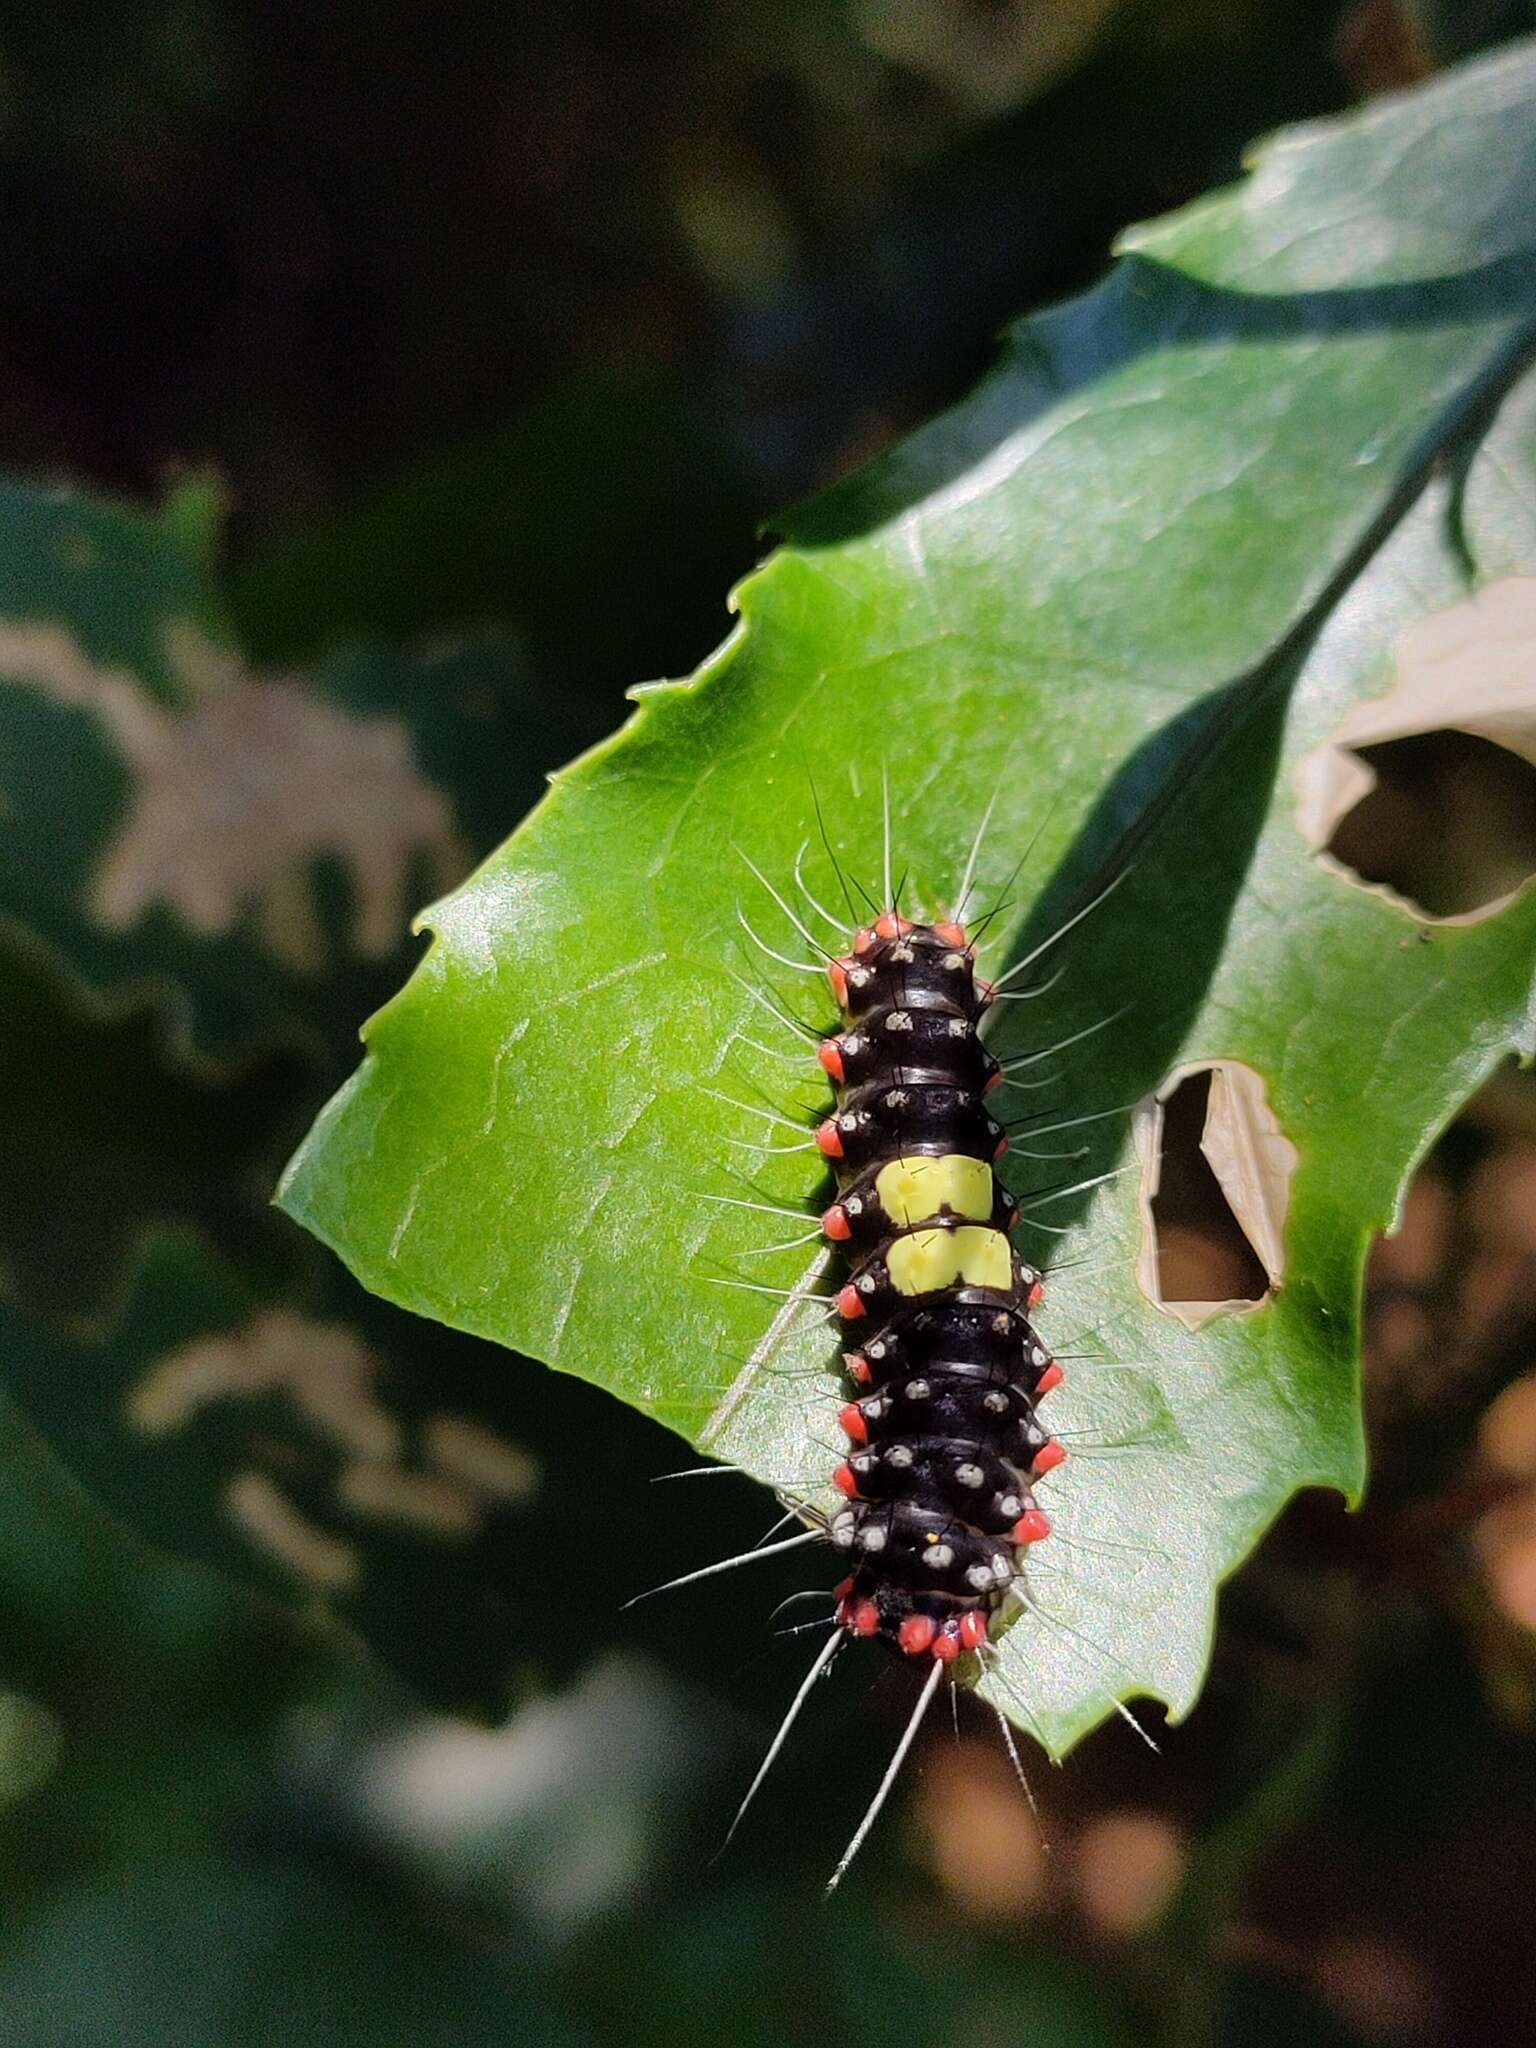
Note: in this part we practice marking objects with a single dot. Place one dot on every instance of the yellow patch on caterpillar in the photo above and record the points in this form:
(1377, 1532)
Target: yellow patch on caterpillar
(912, 1190)
(927, 1260)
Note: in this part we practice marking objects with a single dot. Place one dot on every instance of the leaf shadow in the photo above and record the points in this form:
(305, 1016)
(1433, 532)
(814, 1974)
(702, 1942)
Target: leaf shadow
(1144, 306)
(1164, 929)
(1217, 760)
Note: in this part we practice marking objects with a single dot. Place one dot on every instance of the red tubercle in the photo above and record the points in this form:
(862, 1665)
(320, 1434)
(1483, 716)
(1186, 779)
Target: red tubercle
(863, 939)
(1031, 1527)
(986, 994)
(916, 1634)
(992, 1081)
(857, 1368)
(845, 1479)
(830, 1055)
(843, 1588)
(946, 1647)
(850, 1420)
(1036, 1295)
(850, 1303)
(835, 1224)
(837, 975)
(829, 1139)
(1051, 1377)
(1048, 1457)
(973, 1629)
(891, 925)
(865, 1618)
(1001, 1147)
(952, 934)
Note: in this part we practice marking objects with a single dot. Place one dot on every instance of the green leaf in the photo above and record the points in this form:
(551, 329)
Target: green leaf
(143, 836)
(206, 1371)
(279, 1948)
(308, 1442)
(29, 1746)
(1124, 590)
(107, 1136)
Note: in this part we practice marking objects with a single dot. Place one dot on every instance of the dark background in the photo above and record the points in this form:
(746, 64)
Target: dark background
(477, 315)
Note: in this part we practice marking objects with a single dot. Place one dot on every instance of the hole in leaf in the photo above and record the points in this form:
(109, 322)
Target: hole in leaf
(1203, 1253)
(1450, 823)
(1216, 1181)
(1430, 791)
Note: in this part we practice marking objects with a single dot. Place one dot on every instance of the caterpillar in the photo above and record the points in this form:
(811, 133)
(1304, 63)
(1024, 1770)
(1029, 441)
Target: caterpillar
(946, 1439)
(945, 1369)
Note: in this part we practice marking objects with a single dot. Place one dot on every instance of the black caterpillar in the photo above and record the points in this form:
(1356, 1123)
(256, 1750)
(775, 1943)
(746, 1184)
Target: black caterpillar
(947, 1368)
(945, 1434)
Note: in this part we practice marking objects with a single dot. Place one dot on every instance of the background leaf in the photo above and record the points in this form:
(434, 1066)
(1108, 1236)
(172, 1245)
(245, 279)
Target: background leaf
(29, 1746)
(146, 834)
(168, 1035)
(232, 1393)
